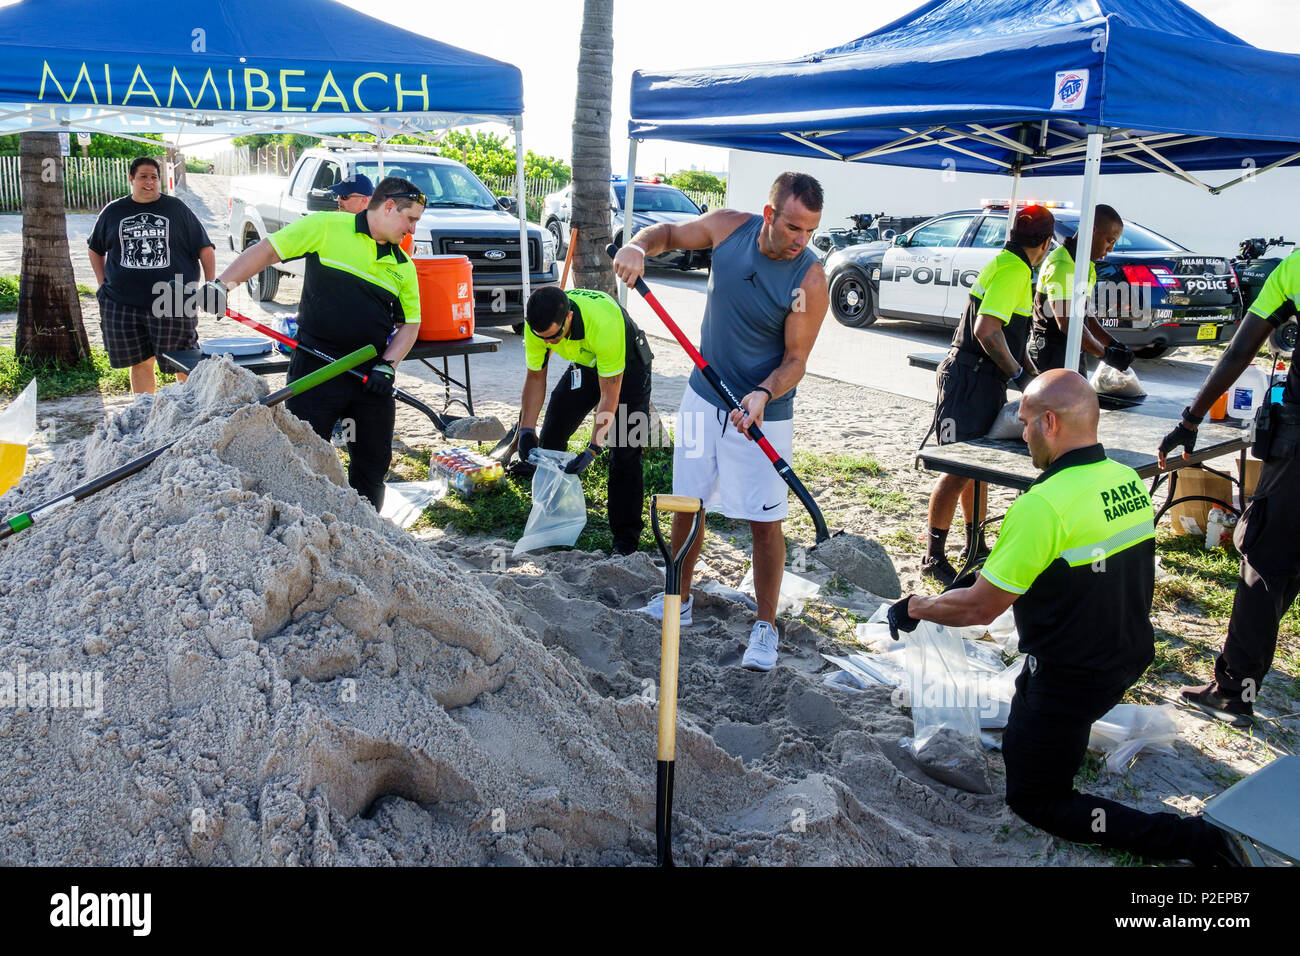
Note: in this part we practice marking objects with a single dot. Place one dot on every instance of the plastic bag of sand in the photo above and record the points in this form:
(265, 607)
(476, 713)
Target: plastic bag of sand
(559, 508)
(17, 425)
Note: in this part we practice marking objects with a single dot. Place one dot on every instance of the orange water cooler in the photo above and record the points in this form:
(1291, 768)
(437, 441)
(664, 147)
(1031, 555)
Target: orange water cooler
(446, 298)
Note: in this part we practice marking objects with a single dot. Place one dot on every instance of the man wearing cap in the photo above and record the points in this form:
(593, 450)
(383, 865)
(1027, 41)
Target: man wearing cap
(1053, 300)
(1075, 562)
(988, 352)
(353, 194)
(359, 289)
(609, 370)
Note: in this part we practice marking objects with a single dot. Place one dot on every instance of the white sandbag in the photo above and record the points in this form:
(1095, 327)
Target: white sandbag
(559, 508)
(405, 501)
(1126, 729)
(1111, 381)
(795, 590)
(1007, 425)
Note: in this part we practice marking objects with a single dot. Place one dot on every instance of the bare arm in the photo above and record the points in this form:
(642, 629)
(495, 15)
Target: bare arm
(703, 232)
(401, 343)
(988, 332)
(802, 324)
(97, 265)
(252, 261)
(605, 411)
(208, 260)
(960, 607)
(530, 403)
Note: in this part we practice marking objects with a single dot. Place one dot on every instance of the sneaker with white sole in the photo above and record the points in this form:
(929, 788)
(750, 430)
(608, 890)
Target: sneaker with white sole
(761, 653)
(656, 609)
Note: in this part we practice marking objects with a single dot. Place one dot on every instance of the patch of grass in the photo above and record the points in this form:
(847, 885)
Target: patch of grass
(59, 381)
(839, 468)
(504, 512)
(900, 539)
(9, 292)
(1090, 770)
(411, 465)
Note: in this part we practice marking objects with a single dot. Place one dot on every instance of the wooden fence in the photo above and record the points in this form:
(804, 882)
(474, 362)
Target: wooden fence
(89, 183)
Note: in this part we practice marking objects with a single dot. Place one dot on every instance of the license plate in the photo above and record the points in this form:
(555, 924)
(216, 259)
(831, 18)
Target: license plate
(1208, 332)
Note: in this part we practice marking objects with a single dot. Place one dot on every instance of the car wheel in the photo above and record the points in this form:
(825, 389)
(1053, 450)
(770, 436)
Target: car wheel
(1152, 351)
(554, 227)
(263, 286)
(518, 328)
(851, 299)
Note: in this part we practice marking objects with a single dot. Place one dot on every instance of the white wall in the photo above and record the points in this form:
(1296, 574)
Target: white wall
(1268, 206)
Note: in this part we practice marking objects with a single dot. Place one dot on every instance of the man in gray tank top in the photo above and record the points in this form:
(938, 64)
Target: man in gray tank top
(767, 298)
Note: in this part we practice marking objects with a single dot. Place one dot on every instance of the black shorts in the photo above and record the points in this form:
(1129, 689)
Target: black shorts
(133, 334)
(968, 403)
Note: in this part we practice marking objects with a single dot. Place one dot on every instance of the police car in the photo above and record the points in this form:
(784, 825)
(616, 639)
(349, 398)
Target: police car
(1152, 294)
(655, 202)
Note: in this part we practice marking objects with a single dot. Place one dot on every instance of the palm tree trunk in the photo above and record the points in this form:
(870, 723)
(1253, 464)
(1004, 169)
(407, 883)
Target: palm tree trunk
(591, 117)
(49, 312)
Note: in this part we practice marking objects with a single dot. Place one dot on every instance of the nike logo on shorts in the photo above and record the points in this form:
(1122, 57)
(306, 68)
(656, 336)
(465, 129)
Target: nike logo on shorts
(770, 507)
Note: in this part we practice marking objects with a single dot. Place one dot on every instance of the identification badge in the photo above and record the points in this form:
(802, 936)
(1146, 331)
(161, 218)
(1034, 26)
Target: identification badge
(1210, 331)
(576, 379)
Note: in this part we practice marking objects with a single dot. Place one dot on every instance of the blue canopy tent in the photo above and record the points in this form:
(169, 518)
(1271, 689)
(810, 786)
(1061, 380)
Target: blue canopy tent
(1023, 87)
(232, 67)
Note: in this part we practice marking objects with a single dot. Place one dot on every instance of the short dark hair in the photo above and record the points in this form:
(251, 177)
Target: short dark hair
(800, 185)
(1106, 215)
(547, 306)
(397, 189)
(1033, 226)
(144, 161)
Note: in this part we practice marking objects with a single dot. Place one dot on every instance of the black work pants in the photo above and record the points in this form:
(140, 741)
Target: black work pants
(1044, 745)
(576, 396)
(1048, 353)
(1268, 537)
(367, 423)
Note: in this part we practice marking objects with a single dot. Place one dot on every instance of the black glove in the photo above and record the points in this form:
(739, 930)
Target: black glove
(1021, 381)
(899, 619)
(581, 463)
(527, 442)
(1181, 435)
(380, 380)
(1118, 357)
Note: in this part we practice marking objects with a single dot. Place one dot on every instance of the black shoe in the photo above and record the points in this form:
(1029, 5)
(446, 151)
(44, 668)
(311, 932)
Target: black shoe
(623, 548)
(981, 555)
(939, 569)
(1231, 709)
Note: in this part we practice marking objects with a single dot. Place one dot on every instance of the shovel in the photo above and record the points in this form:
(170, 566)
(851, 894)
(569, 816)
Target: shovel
(440, 422)
(668, 665)
(23, 521)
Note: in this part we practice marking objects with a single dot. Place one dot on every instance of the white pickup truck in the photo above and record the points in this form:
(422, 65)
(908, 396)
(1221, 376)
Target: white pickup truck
(461, 218)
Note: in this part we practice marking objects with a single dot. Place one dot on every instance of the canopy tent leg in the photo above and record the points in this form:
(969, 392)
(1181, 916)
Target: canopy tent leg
(521, 198)
(627, 210)
(1083, 247)
(1015, 194)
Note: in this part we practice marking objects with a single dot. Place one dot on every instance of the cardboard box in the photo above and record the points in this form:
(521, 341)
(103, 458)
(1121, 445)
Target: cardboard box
(1191, 517)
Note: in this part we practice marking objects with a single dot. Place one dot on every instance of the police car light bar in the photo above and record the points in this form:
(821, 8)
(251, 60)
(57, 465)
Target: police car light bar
(1005, 203)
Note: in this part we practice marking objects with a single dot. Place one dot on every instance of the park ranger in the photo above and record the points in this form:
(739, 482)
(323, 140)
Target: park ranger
(1075, 562)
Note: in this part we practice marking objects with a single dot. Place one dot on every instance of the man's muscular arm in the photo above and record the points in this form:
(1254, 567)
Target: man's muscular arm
(802, 324)
(703, 232)
(988, 332)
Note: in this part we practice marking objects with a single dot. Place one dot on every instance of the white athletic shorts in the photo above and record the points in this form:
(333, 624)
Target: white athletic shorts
(728, 472)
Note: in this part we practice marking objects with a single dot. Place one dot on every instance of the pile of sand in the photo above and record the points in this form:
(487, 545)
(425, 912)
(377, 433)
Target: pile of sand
(287, 678)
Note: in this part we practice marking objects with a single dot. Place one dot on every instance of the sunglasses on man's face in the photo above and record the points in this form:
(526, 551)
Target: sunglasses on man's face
(558, 335)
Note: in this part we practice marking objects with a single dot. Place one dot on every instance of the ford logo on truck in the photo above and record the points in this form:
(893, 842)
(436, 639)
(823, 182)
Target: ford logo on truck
(494, 254)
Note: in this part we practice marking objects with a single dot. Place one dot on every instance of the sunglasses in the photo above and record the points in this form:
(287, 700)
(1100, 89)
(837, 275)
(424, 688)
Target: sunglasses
(558, 335)
(413, 194)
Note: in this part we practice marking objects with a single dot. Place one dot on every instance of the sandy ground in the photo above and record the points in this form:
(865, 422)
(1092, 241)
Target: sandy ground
(785, 724)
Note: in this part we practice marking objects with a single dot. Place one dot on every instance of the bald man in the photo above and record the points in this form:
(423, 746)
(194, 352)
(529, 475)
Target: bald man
(1076, 563)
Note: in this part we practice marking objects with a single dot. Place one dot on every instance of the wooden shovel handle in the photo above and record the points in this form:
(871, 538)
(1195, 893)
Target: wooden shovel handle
(678, 503)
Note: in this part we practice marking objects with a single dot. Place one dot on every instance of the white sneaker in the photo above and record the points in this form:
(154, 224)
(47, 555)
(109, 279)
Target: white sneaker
(761, 653)
(656, 609)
